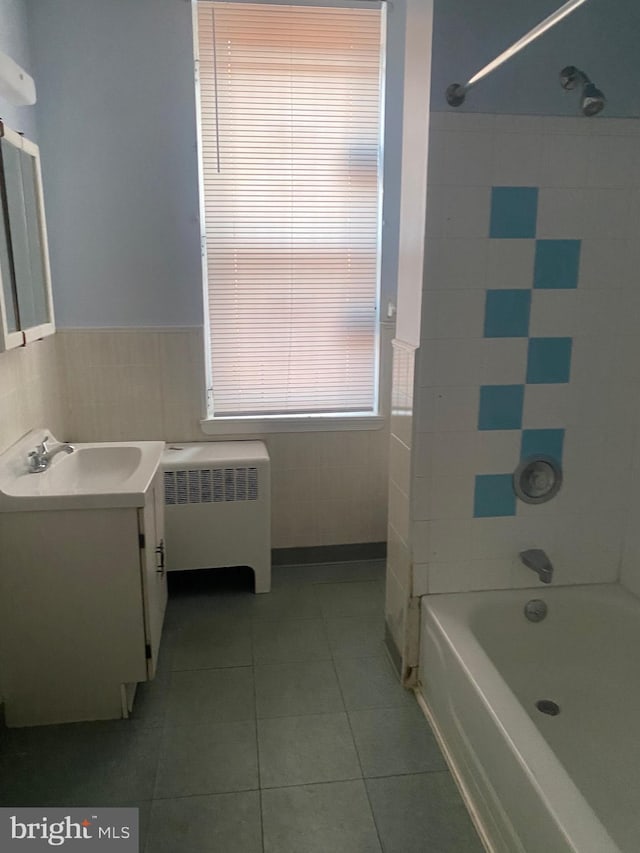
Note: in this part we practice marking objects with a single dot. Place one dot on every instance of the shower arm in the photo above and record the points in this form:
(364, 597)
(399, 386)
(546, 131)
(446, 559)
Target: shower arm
(456, 92)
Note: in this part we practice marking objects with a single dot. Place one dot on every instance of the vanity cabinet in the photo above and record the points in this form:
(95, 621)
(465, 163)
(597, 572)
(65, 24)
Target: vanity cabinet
(82, 600)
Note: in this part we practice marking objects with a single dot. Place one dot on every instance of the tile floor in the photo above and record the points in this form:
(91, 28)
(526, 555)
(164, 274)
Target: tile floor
(276, 724)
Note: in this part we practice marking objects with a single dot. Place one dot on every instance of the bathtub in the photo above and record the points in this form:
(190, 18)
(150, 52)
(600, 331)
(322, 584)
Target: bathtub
(533, 782)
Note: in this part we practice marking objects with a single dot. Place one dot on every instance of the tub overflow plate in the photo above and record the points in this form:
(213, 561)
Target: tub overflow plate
(537, 479)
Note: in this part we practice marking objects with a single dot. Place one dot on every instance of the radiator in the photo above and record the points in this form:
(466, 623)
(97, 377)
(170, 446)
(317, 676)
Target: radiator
(217, 499)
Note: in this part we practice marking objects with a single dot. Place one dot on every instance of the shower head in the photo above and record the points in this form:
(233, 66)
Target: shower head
(592, 100)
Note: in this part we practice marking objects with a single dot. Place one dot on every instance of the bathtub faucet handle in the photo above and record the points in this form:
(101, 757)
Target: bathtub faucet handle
(536, 559)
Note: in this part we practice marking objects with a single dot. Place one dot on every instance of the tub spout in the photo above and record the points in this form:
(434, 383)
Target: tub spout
(537, 560)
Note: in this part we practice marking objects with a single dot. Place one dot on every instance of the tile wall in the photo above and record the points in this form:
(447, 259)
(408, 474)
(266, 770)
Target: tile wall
(530, 344)
(328, 488)
(399, 581)
(31, 392)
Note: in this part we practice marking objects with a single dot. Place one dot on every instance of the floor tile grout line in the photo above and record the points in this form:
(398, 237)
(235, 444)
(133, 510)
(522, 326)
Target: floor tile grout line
(355, 745)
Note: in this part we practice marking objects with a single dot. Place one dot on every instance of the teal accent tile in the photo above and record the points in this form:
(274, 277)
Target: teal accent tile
(543, 442)
(514, 211)
(494, 496)
(506, 313)
(549, 360)
(557, 264)
(501, 407)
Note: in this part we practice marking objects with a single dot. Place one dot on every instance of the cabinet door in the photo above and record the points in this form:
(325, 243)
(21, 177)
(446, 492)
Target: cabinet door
(154, 576)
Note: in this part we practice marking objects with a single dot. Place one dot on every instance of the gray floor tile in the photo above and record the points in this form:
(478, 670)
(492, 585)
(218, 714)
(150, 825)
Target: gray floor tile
(301, 750)
(395, 740)
(221, 823)
(357, 598)
(371, 683)
(292, 689)
(288, 602)
(355, 570)
(85, 764)
(333, 817)
(150, 703)
(356, 636)
(210, 696)
(283, 640)
(210, 643)
(211, 759)
(423, 812)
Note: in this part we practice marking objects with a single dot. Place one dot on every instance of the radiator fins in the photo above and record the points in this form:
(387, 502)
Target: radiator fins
(210, 485)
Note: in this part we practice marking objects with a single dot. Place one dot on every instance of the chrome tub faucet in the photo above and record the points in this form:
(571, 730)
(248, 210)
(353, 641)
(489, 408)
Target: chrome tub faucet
(536, 559)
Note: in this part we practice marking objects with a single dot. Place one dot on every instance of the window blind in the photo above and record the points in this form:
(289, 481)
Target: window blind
(290, 142)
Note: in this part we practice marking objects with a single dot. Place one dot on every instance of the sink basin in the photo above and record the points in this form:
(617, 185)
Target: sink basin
(109, 474)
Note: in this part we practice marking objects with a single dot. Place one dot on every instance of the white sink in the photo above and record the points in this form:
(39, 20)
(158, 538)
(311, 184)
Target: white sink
(109, 474)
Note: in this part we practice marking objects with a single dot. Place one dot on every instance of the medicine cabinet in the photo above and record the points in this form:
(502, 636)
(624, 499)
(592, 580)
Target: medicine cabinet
(26, 307)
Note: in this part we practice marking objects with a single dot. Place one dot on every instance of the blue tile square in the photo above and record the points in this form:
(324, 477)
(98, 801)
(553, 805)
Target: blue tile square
(548, 360)
(494, 496)
(544, 442)
(557, 264)
(514, 211)
(501, 407)
(506, 313)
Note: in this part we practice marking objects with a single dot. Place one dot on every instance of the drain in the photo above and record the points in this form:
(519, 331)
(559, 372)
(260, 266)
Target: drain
(546, 706)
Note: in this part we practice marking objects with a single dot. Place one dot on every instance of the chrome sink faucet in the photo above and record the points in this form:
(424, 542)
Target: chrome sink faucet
(40, 458)
(536, 559)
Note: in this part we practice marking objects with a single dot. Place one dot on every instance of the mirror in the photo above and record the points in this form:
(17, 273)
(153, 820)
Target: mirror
(26, 307)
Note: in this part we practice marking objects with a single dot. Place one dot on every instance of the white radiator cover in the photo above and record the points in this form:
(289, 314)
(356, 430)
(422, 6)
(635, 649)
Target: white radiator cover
(218, 507)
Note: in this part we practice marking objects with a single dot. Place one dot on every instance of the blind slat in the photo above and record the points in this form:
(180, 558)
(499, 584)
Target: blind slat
(290, 126)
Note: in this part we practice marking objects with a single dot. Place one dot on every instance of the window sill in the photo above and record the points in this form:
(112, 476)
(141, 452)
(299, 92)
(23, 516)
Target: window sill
(293, 423)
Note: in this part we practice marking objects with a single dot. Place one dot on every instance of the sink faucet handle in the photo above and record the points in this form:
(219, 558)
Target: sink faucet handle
(44, 448)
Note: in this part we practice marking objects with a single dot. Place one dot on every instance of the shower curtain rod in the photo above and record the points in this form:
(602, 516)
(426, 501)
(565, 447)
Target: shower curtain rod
(456, 92)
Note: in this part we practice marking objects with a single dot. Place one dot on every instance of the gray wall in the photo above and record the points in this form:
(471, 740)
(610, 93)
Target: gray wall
(14, 42)
(600, 37)
(117, 119)
(116, 111)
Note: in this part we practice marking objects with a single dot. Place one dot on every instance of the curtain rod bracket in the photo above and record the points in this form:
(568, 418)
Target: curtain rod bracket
(456, 93)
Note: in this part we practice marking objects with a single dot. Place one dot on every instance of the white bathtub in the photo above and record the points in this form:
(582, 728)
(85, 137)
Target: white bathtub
(538, 783)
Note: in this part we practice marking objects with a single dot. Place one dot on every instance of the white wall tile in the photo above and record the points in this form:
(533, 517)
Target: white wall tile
(459, 314)
(497, 451)
(425, 411)
(547, 406)
(456, 409)
(455, 263)
(565, 160)
(517, 160)
(420, 579)
(465, 211)
(510, 264)
(556, 313)
(457, 362)
(454, 454)
(451, 498)
(450, 539)
(461, 159)
(606, 263)
(613, 161)
(503, 361)
(395, 606)
(564, 214)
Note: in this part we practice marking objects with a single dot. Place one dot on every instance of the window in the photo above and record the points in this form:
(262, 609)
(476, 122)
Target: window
(290, 115)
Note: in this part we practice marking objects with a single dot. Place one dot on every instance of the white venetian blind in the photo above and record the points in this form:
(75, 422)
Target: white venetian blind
(290, 118)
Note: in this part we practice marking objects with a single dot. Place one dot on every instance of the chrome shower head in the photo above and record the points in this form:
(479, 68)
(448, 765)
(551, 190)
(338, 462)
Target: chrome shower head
(592, 100)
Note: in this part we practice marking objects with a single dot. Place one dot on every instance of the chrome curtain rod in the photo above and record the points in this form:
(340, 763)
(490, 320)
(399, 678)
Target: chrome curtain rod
(456, 92)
